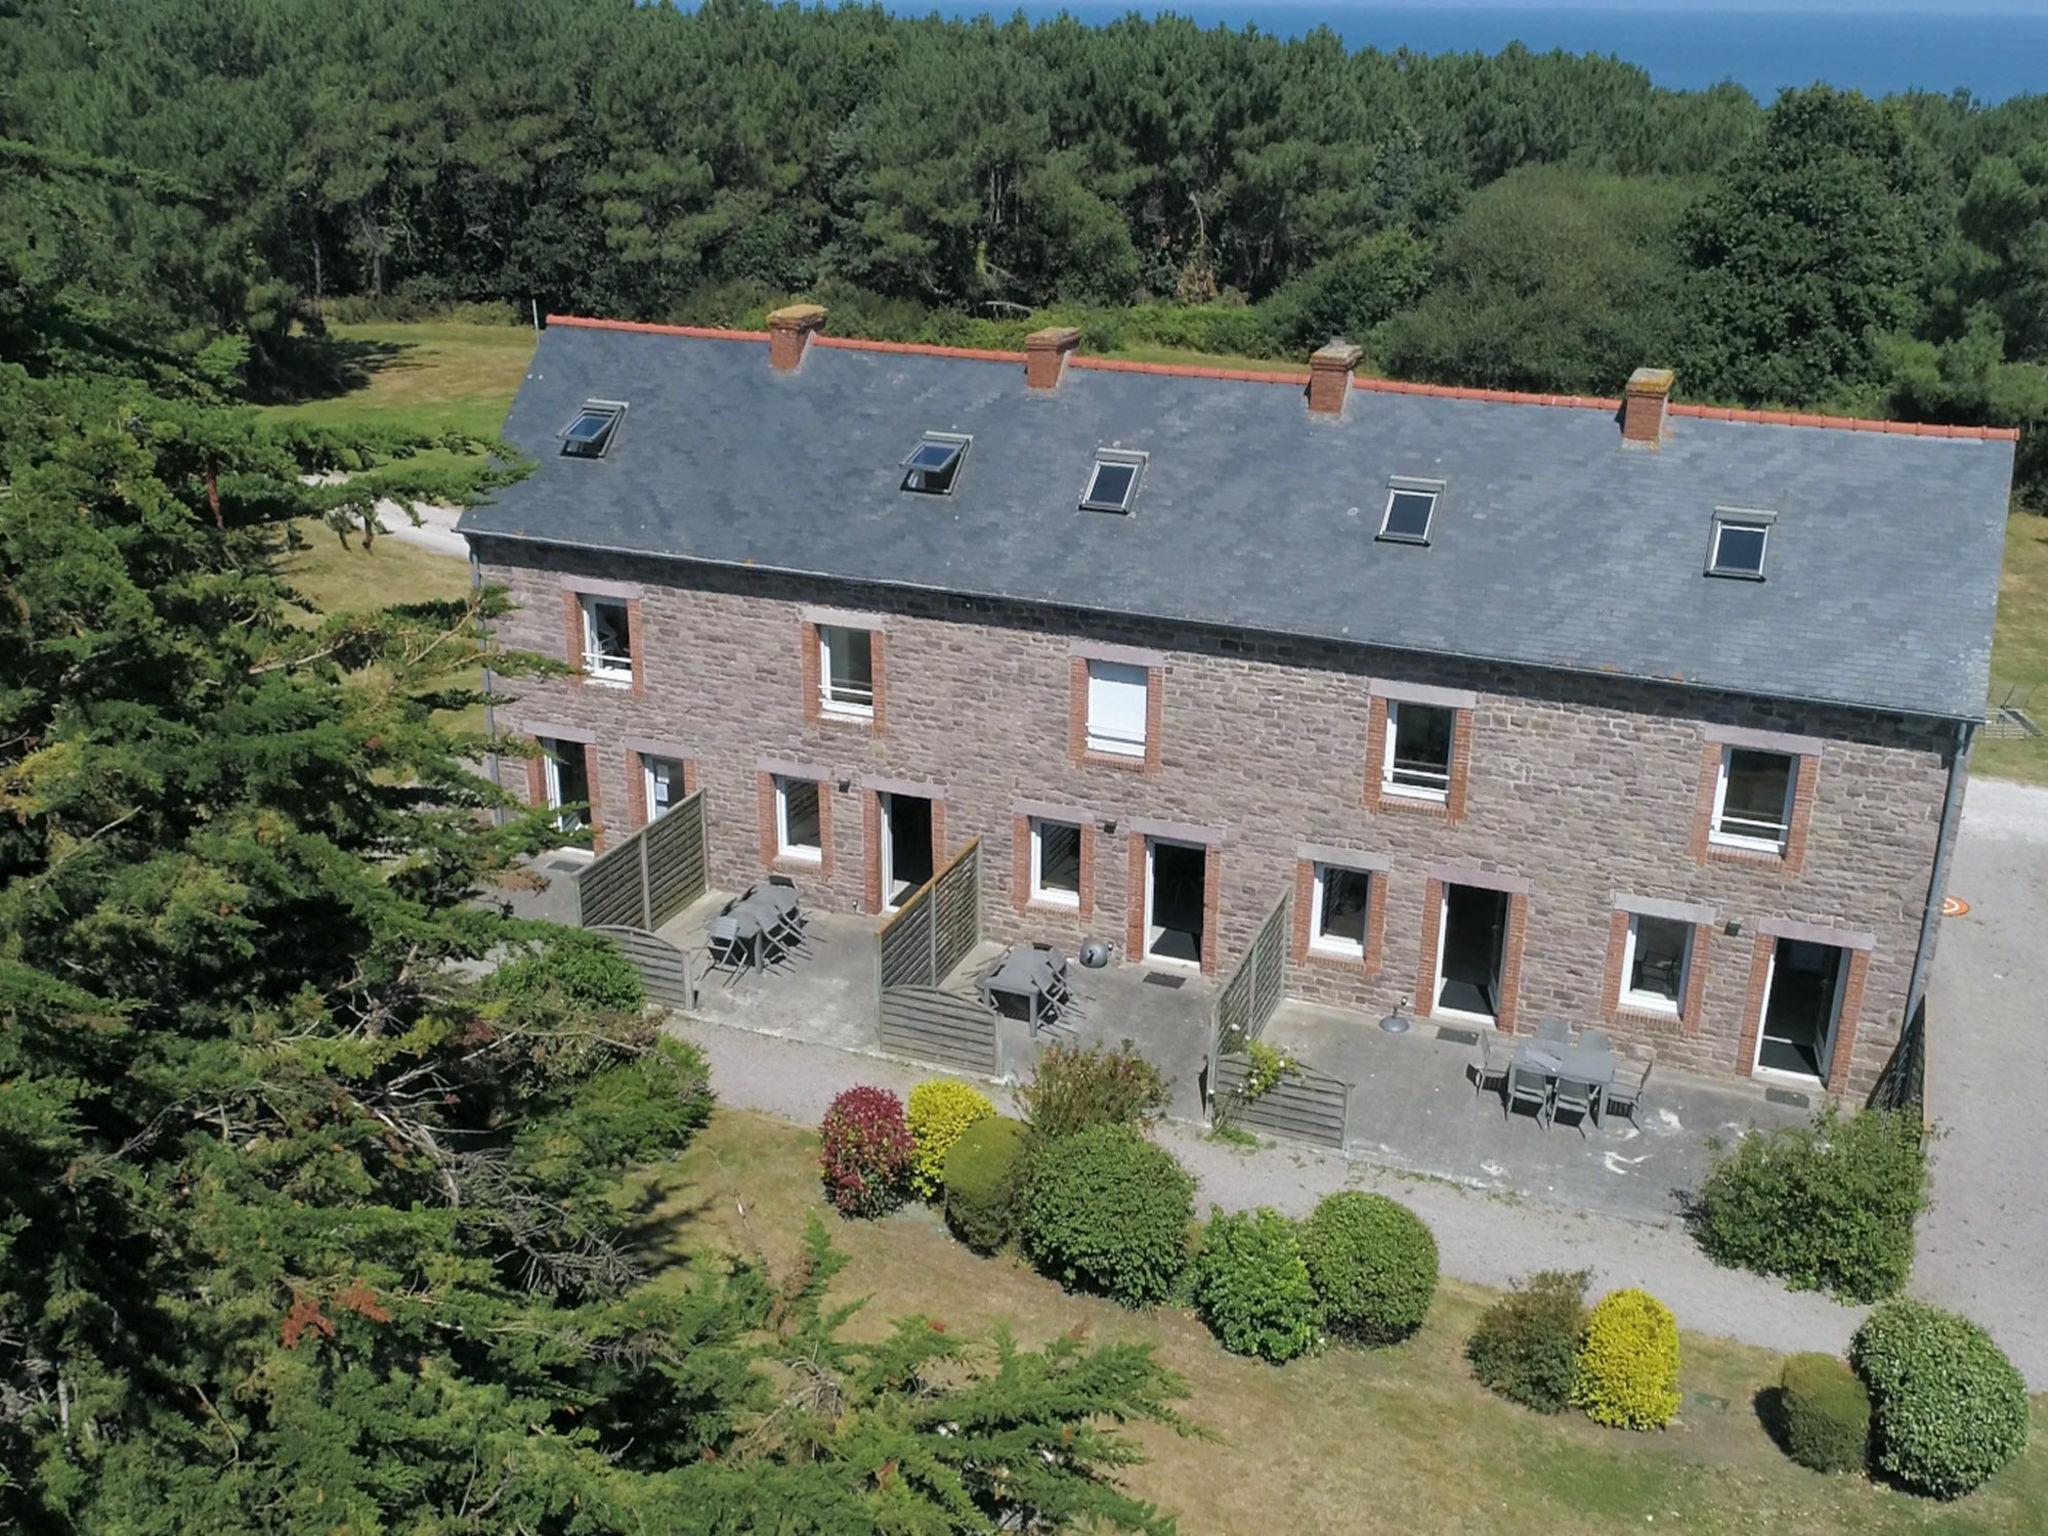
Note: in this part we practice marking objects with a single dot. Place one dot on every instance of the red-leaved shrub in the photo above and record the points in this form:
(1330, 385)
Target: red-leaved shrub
(867, 1152)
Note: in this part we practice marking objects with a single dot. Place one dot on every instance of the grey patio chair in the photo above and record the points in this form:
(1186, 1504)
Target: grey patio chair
(1492, 1067)
(1526, 1085)
(724, 949)
(1628, 1096)
(1575, 1098)
(1554, 1029)
(1595, 1040)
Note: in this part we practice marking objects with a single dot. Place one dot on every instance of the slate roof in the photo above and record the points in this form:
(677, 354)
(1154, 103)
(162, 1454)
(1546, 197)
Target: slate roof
(1552, 546)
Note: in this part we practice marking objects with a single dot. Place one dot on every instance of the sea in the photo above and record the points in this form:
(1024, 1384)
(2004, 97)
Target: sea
(1879, 49)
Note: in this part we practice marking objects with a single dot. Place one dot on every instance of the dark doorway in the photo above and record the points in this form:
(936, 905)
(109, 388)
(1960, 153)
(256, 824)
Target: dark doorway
(568, 782)
(1175, 877)
(906, 846)
(1475, 925)
(1801, 1007)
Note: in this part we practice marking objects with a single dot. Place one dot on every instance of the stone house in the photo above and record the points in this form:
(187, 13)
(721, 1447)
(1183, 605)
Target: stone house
(1629, 711)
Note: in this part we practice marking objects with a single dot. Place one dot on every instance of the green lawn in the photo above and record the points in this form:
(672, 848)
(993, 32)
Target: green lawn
(2019, 652)
(1397, 1441)
(444, 376)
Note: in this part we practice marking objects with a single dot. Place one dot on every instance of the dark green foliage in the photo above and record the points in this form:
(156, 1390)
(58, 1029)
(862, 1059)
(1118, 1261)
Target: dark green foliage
(1075, 1087)
(1373, 1263)
(1526, 1347)
(1827, 1206)
(1947, 1408)
(568, 967)
(983, 1172)
(1105, 1210)
(1252, 1288)
(1823, 1414)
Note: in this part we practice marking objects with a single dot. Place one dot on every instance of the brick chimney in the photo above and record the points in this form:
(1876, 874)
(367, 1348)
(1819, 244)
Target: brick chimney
(1643, 406)
(789, 333)
(1045, 355)
(1329, 375)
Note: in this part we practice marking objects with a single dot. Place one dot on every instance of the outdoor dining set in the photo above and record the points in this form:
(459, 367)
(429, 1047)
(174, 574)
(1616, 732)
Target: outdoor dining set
(1557, 1070)
(756, 929)
(1029, 982)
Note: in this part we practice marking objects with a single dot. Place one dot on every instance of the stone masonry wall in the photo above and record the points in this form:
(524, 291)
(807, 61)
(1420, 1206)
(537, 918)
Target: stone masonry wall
(1582, 787)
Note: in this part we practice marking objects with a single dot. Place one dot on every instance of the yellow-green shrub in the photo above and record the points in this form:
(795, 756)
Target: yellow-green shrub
(940, 1109)
(1628, 1364)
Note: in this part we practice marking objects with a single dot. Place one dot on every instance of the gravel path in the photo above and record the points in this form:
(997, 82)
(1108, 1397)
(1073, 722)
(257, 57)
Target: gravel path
(1483, 1238)
(1984, 1239)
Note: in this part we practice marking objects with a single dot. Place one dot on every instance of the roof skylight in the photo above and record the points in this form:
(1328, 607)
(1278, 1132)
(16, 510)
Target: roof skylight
(1740, 540)
(934, 464)
(592, 430)
(1411, 506)
(1113, 481)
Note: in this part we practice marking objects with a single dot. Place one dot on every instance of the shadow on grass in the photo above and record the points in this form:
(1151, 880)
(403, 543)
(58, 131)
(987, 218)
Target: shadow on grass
(310, 368)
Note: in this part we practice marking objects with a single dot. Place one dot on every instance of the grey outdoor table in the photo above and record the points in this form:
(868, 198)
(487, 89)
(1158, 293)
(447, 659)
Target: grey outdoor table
(1591, 1065)
(760, 911)
(1026, 974)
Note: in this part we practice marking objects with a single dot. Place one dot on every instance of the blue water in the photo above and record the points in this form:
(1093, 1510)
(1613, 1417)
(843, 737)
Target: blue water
(1992, 54)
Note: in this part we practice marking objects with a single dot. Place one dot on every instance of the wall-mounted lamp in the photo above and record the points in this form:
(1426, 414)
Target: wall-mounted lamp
(845, 785)
(1733, 928)
(1109, 828)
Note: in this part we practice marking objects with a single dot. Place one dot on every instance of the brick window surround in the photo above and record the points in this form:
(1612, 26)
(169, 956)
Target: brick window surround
(810, 668)
(871, 792)
(1020, 859)
(1690, 1006)
(1134, 892)
(1805, 750)
(1849, 1015)
(574, 590)
(1512, 943)
(1077, 705)
(765, 776)
(636, 776)
(1303, 952)
(1461, 704)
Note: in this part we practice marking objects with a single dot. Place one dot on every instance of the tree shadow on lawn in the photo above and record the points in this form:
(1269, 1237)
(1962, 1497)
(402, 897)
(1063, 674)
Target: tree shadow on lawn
(310, 368)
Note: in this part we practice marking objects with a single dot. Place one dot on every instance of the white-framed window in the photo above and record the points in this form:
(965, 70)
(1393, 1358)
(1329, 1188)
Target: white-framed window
(1343, 900)
(566, 774)
(846, 671)
(664, 784)
(1113, 481)
(1117, 697)
(1740, 540)
(1654, 964)
(1411, 507)
(799, 827)
(1753, 799)
(1418, 762)
(1055, 863)
(607, 640)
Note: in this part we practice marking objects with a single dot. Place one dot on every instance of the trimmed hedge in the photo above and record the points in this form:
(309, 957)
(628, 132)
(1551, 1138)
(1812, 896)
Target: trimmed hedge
(1824, 1412)
(983, 1171)
(1947, 1409)
(1628, 1364)
(1373, 1263)
(866, 1152)
(1827, 1206)
(1526, 1347)
(1252, 1288)
(940, 1109)
(1106, 1210)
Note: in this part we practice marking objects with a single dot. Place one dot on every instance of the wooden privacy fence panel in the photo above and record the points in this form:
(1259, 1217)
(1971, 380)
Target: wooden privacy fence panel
(1305, 1105)
(949, 1028)
(664, 969)
(1903, 1082)
(1254, 990)
(651, 876)
(937, 926)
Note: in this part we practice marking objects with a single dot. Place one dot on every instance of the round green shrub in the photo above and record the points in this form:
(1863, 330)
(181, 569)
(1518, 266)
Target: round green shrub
(1526, 1346)
(1628, 1363)
(1373, 1264)
(1252, 1288)
(981, 1177)
(1947, 1409)
(1824, 1412)
(1106, 1210)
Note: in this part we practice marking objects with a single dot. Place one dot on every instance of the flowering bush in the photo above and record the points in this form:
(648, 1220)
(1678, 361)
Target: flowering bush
(867, 1152)
(940, 1109)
